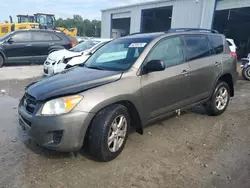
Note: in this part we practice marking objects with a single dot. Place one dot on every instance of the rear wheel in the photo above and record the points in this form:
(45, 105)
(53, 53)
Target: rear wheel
(219, 100)
(108, 132)
(246, 73)
(1, 61)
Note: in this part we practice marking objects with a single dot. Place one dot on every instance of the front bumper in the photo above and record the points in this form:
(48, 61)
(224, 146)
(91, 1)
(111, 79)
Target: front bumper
(62, 132)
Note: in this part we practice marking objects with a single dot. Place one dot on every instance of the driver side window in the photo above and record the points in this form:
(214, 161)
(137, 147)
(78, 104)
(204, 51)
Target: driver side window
(22, 37)
(169, 51)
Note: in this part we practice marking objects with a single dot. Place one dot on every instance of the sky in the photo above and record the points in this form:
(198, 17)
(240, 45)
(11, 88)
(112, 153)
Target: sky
(89, 9)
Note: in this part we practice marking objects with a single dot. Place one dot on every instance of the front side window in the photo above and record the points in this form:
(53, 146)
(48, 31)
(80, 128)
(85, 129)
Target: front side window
(169, 51)
(118, 55)
(197, 47)
(22, 37)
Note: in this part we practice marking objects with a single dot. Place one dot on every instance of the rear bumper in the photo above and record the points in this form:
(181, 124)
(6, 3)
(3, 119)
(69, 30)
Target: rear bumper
(62, 133)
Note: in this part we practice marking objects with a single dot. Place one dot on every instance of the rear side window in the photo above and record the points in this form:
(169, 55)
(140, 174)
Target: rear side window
(229, 43)
(169, 51)
(197, 46)
(44, 36)
(55, 37)
(22, 37)
(217, 43)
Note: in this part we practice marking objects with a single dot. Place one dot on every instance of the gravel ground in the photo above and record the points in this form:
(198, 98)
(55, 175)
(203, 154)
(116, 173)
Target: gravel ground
(193, 150)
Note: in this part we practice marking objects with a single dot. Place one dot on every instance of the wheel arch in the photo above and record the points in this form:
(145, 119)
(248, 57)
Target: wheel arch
(132, 110)
(227, 77)
(4, 57)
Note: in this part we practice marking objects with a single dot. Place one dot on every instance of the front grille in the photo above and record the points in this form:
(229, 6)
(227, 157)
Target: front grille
(45, 71)
(29, 103)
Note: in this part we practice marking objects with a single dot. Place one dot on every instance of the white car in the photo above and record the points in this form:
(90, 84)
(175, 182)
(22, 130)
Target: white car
(57, 61)
(232, 45)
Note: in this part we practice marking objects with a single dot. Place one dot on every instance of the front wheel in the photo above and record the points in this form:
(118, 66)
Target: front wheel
(1, 61)
(246, 73)
(219, 101)
(108, 132)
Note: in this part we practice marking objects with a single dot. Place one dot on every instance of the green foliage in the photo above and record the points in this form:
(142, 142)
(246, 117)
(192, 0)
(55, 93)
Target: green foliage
(84, 27)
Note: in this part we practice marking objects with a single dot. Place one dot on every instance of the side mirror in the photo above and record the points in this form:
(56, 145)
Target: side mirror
(10, 41)
(153, 66)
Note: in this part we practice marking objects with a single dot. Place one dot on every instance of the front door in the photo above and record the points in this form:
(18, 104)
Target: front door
(166, 90)
(19, 50)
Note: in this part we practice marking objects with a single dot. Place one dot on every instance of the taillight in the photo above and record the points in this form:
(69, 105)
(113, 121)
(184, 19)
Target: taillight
(71, 44)
(233, 54)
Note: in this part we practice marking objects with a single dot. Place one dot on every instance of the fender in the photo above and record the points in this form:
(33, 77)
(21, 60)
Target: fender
(216, 81)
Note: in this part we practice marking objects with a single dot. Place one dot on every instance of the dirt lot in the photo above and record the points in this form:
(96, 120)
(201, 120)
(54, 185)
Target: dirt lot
(193, 150)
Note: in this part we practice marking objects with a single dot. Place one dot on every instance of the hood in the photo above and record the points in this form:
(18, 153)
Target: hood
(71, 81)
(58, 55)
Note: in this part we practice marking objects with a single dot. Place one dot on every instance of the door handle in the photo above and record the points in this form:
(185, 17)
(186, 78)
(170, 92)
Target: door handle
(184, 72)
(29, 45)
(217, 64)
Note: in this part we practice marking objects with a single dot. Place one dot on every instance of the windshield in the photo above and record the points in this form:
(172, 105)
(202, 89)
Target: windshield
(84, 46)
(118, 55)
(5, 36)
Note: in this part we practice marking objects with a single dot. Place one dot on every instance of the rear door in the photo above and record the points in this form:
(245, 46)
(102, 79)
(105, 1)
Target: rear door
(20, 49)
(43, 41)
(166, 90)
(205, 65)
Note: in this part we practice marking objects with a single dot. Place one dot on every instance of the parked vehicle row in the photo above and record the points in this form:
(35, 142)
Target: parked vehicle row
(245, 65)
(63, 59)
(130, 81)
(31, 46)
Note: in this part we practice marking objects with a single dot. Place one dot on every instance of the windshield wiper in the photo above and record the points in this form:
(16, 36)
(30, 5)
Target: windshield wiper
(95, 67)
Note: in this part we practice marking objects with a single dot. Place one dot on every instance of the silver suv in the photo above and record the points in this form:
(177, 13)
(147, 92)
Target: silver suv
(131, 81)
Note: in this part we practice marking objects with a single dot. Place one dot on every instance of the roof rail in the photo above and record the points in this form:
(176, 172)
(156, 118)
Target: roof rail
(174, 30)
(134, 33)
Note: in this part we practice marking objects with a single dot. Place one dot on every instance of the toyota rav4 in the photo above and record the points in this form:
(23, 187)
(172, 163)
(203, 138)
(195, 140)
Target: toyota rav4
(131, 81)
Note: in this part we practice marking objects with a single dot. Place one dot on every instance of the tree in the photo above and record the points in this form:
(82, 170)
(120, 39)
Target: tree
(84, 27)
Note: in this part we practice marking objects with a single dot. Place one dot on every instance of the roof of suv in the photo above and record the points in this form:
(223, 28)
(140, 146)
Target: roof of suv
(171, 32)
(45, 30)
(144, 35)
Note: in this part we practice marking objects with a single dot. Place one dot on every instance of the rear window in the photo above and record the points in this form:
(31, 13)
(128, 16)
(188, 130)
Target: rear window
(197, 46)
(217, 43)
(45, 36)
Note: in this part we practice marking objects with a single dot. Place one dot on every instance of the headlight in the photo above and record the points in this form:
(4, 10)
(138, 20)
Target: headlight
(61, 105)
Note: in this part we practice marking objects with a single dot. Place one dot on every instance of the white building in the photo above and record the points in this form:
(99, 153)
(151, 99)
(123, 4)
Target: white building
(227, 16)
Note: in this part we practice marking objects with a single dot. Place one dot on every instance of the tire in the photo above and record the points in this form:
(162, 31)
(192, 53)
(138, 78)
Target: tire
(212, 106)
(1, 61)
(101, 130)
(51, 51)
(246, 73)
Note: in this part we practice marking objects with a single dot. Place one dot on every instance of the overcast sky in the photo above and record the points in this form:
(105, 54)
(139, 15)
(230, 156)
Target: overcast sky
(61, 8)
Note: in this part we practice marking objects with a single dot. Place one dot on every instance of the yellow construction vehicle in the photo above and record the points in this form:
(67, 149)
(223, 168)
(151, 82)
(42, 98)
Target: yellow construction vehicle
(9, 27)
(39, 20)
(46, 21)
